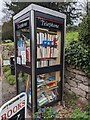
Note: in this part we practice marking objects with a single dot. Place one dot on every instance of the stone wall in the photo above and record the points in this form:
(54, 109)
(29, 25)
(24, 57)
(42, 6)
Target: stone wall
(77, 82)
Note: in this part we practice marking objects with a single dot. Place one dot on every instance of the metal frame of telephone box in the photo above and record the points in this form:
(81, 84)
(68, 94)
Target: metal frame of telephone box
(30, 13)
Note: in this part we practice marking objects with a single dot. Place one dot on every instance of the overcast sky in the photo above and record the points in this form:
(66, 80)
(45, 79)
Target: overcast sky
(1, 6)
(1, 14)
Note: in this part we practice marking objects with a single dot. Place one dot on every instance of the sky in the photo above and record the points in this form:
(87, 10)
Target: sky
(1, 6)
(1, 14)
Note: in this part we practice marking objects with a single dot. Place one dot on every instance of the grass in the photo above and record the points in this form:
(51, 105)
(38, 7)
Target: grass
(78, 112)
(71, 36)
(79, 115)
(8, 44)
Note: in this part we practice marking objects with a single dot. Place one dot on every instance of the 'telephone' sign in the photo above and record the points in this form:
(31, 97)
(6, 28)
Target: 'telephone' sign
(15, 109)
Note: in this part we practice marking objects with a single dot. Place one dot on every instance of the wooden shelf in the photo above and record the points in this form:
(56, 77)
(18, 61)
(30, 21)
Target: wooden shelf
(48, 45)
(53, 81)
(46, 58)
(46, 30)
(41, 29)
(47, 89)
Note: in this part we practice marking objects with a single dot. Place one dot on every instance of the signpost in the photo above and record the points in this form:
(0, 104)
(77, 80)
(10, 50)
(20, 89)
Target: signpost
(15, 109)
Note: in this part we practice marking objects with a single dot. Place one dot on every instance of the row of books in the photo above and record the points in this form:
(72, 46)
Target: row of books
(44, 63)
(48, 52)
(44, 36)
(45, 98)
(43, 83)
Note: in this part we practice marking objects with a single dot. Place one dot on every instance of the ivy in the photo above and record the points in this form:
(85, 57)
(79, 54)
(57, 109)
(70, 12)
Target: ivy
(78, 56)
(77, 53)
(84, 31)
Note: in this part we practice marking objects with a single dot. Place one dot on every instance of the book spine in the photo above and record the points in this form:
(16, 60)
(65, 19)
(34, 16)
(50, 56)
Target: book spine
(38, 39)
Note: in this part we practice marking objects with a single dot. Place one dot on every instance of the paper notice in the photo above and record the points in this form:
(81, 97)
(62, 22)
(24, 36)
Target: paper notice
(23, 55)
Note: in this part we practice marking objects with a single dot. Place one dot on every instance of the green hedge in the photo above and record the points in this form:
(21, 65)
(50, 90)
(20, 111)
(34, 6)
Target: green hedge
(84, 31)
(7, 73)
(6, 68)
(77, 55)
(78, 51)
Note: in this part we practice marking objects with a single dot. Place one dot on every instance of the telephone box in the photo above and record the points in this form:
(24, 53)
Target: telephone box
(39, 35)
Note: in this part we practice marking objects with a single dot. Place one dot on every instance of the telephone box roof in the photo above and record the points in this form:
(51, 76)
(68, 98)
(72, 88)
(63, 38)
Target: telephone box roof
(40, 9)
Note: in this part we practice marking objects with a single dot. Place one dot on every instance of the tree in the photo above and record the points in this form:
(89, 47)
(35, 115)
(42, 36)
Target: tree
(85, 5)
(7, 31)
(84, 31)
(68, 8)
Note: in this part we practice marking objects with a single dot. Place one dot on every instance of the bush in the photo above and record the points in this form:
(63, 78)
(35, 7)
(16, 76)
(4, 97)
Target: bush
(84, 31)
(88, 108)
(77, 55)
(6, 68)
(45, 114)
(7, 73)
(79, 115)
(11, 79)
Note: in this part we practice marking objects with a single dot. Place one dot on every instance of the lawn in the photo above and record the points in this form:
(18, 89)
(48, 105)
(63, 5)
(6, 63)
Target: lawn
(8, 44)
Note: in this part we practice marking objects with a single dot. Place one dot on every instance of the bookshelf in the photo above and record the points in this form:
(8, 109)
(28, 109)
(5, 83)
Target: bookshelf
(47, 86)
(48, 54)
(46, 90)
(48, 47)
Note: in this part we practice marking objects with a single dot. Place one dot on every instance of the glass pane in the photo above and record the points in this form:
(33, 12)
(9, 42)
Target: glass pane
(47, 87)
(24, 84)
(48, 42)
(23, 43)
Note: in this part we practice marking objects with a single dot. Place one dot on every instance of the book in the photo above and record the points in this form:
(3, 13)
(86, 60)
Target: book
(42, 101)
(56, 52)
(53, 62)
(38, 39)
(38, 52)
(42, 63)
(51, 52)
(41, 37)
(18, 60)
(44, 52)
(45, 36)
(50, 63)
(38, 64)
(45, 63)
(48, 52)
(23, 55)
(40, 80)
(48, 36)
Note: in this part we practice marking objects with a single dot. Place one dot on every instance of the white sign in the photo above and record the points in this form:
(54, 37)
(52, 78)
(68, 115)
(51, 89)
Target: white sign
(18, 60)
(6, 62)
(15, 109)
(23, 54)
